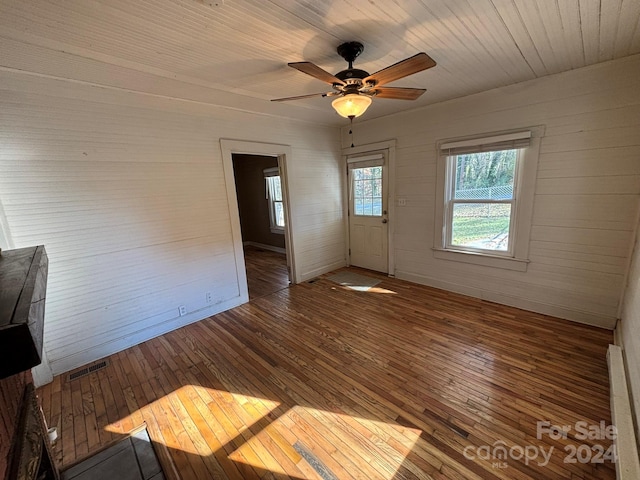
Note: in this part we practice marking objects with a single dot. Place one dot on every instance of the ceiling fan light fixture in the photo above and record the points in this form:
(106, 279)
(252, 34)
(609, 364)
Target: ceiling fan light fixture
(351, 105)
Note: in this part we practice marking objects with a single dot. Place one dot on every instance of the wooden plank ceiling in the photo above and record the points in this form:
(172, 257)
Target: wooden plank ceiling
(207, 51)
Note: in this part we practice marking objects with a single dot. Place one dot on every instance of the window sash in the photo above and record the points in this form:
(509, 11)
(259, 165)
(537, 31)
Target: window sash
(273, 197)
(454, 246)
(450, 201)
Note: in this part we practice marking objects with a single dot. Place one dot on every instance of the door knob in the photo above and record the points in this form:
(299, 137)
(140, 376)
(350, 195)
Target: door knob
(384, 220)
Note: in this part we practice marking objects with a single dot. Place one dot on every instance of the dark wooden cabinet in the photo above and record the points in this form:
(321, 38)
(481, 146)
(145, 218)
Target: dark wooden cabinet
(23, 286)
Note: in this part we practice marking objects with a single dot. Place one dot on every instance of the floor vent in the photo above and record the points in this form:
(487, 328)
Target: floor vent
(314, 280)
(87, 370)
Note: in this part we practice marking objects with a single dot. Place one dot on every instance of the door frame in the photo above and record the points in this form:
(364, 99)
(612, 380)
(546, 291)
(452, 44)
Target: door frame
(390, 147)
(284, 154)
(6, 240)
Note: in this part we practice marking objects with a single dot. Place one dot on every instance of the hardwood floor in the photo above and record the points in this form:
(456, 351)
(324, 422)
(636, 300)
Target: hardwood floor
(266, 271)
(319, 382)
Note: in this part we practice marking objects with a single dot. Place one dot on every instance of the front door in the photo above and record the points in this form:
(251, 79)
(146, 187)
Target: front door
(368, 227)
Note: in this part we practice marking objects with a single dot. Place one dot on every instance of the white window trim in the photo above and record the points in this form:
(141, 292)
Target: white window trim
(524, 190)
(272, 172)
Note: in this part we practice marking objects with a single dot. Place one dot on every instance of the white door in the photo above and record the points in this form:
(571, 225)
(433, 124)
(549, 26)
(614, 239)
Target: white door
(368, 227)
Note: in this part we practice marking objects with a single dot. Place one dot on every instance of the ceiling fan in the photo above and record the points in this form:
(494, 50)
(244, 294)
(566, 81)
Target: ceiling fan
(355, 88)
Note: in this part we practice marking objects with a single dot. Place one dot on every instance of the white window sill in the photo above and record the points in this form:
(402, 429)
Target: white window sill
(484, 259)
(277, 230)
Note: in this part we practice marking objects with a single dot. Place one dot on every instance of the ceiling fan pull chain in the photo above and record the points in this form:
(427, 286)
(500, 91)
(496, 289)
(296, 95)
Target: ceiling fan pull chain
(351, 129)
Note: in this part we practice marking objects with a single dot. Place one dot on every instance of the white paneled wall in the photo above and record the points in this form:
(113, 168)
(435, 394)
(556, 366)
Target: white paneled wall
(127, 193)
(587, 188)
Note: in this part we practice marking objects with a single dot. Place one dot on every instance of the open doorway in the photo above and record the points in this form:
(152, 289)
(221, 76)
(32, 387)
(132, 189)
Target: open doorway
(261, 208)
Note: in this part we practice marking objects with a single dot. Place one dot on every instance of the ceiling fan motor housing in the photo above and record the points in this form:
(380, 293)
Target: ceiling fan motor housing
(351, 76)
(345, 75)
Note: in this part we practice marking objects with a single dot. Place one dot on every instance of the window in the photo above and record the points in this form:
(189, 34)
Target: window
(274, 197)
(481, 200)
(485, 199)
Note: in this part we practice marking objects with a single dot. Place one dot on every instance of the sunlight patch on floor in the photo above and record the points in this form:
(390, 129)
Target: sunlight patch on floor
(328, 437)
(365, 289)
(219, 410)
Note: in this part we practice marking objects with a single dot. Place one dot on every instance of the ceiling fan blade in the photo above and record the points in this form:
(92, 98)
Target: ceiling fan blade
(300, 97)
(398, 93)
(402, 69)
(316, 72)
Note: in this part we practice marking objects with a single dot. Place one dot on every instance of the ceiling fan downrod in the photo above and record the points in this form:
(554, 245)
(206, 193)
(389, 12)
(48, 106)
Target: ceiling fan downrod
(350, 51)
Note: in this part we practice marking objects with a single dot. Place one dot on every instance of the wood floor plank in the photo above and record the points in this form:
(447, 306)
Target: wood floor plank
(398, 382)
(266, 271)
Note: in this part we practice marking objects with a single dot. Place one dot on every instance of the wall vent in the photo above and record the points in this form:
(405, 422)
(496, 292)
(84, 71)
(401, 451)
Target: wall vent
(87, 370)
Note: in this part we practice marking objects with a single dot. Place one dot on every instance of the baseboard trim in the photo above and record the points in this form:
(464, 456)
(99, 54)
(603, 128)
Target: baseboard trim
(532, 306)
(627, 464)
(265, 247)
(110, 347)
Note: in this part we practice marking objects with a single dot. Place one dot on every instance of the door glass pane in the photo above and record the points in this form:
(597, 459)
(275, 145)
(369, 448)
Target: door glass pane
(376, 187)
(481, 225)
(368, 206)
(367, 191)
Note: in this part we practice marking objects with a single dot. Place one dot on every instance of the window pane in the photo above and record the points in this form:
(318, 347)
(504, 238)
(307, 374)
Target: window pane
(279, 211)
(367, 191)
(277, 189)
(485, 175)
(481, 225)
